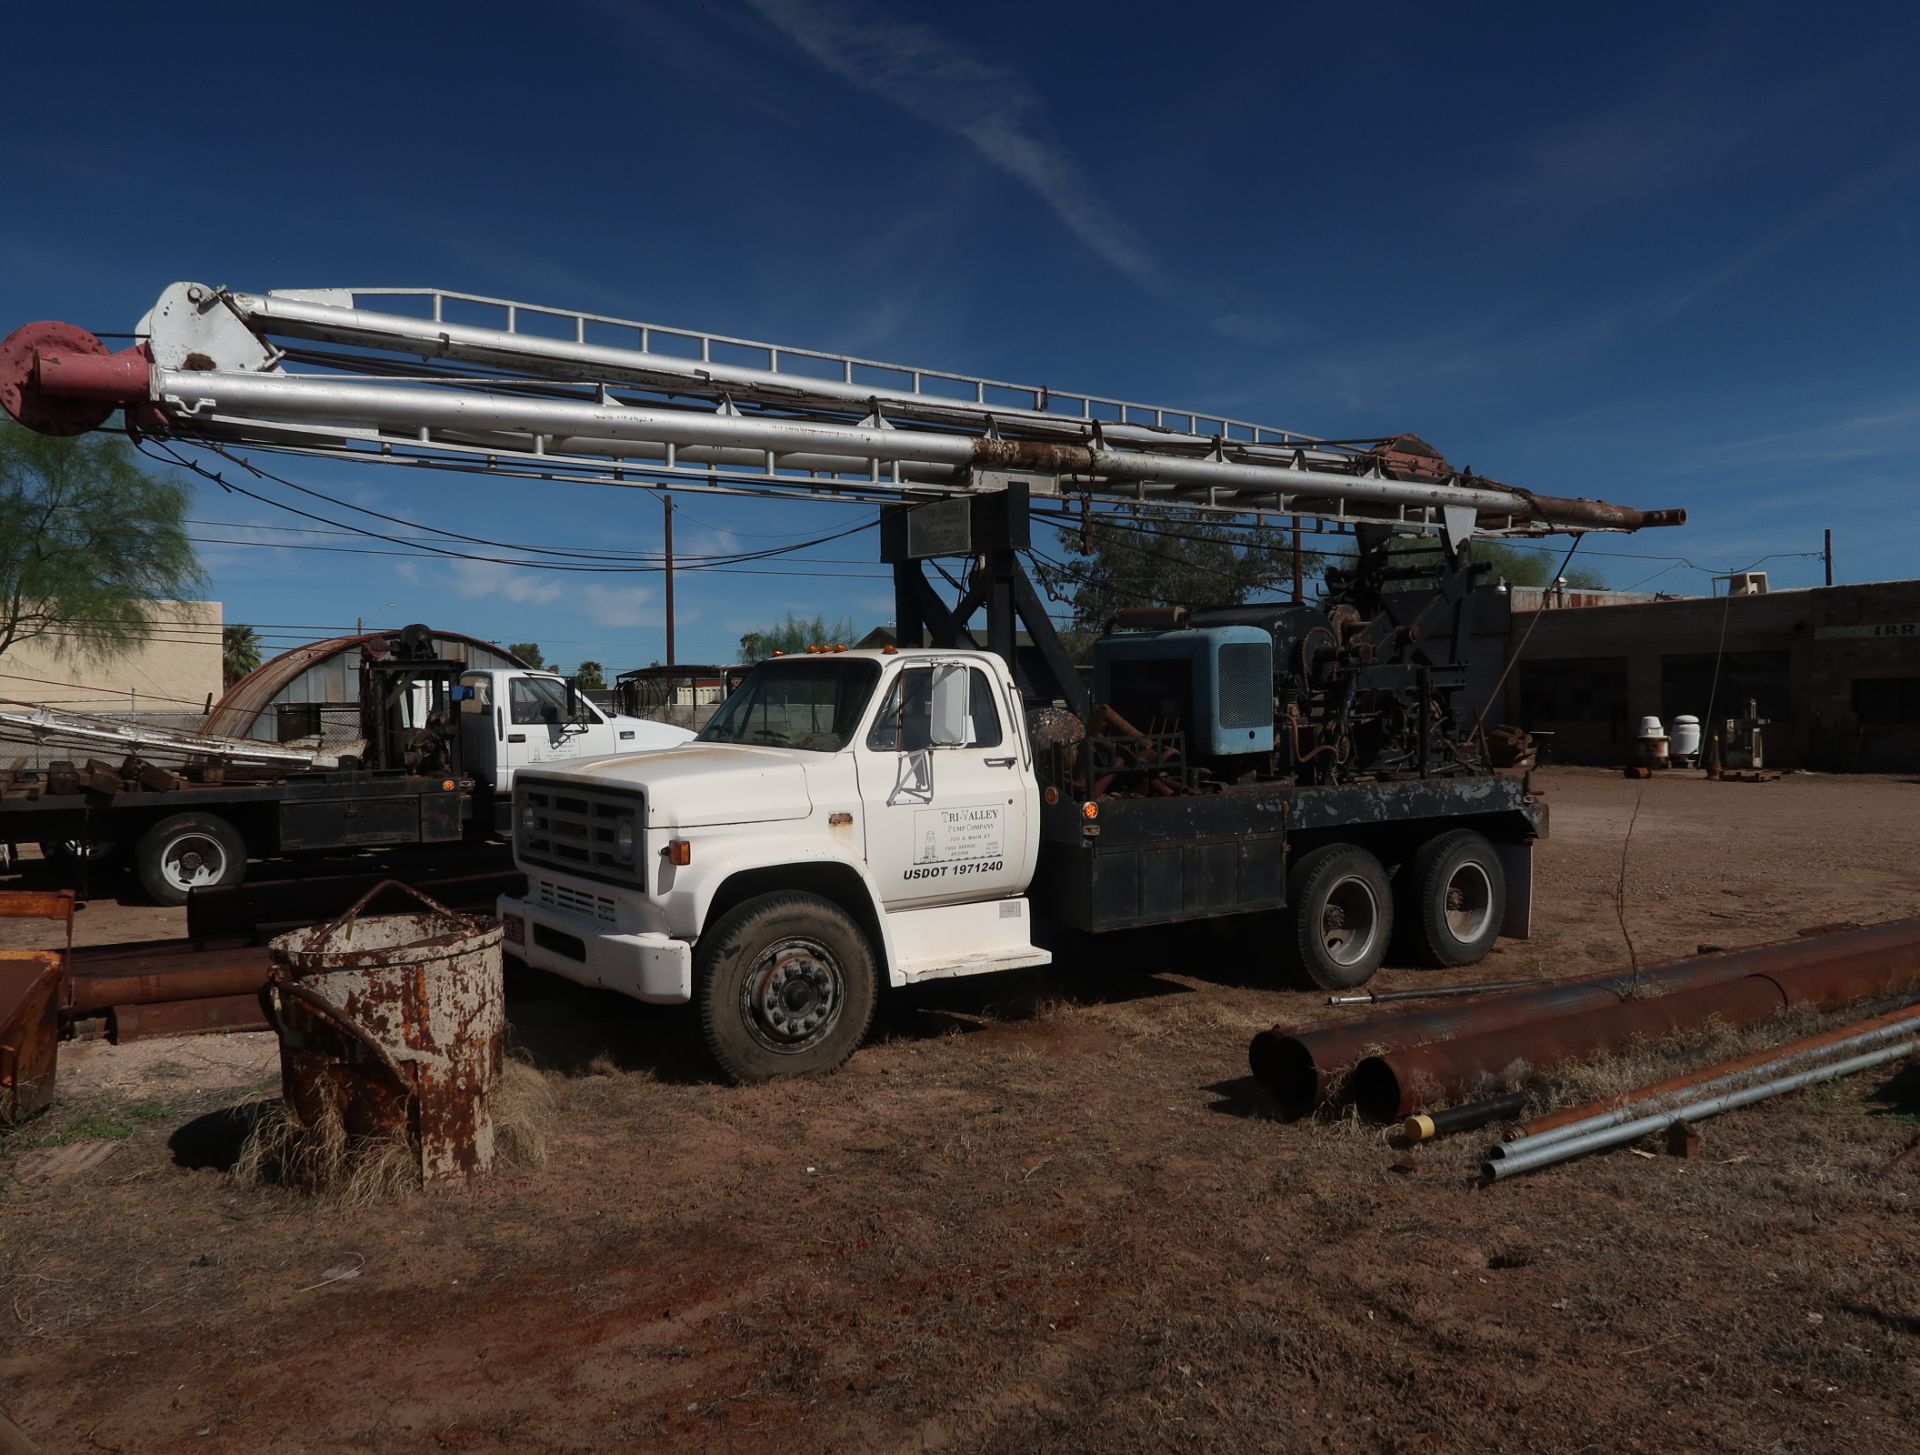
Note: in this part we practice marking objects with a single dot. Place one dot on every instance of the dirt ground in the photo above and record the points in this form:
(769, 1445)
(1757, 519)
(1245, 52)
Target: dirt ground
(1046, 1212)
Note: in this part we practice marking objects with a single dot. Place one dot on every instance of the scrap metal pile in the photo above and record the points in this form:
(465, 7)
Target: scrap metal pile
(1469, 1059)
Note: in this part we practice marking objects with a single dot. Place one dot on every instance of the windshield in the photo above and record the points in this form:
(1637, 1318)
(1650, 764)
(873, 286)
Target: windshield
(813, 703)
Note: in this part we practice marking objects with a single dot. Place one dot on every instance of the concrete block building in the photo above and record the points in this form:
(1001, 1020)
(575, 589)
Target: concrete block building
(1835, 669)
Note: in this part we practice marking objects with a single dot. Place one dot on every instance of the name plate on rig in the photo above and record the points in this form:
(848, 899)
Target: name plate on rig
(940, 528)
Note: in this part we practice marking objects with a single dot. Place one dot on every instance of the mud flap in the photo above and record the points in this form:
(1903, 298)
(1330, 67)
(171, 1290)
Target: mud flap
(1516, 863)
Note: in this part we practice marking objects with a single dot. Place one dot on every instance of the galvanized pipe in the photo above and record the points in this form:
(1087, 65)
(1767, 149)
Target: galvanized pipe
(575, 359)
(60, 366)
(1618, 1136)
(1859, 1036)
(1390, 1086)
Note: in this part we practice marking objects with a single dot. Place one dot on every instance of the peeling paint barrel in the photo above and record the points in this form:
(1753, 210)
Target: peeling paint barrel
(394, 1021)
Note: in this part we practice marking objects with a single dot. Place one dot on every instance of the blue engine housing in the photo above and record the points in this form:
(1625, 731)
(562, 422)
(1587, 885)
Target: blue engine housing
(1214, 683)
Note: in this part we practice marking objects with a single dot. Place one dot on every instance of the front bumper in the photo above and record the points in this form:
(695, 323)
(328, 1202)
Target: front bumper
(652, 967)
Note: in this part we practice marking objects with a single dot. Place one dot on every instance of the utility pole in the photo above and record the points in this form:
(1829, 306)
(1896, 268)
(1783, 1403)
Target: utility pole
(1827, 552)
(667, 500)
(1299, 578)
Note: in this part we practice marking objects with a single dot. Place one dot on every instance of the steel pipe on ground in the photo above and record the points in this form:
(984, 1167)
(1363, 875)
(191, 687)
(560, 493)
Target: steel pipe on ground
(1854, 1037)
(1390, 1086)
(1306, 1069)
(240, 972)
(1618, 1136)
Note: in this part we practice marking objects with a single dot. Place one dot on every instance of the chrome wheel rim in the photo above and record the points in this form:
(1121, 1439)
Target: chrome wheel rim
(1468, 903)
(1350, 921)
(192, 860)
(792, 995)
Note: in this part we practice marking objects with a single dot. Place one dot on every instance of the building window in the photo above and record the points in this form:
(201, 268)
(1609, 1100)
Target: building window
(1688, 685)
(1886, 701)
(1581, 689)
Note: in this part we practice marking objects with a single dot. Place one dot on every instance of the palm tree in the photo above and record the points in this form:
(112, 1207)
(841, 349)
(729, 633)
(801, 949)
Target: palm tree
(239, 652)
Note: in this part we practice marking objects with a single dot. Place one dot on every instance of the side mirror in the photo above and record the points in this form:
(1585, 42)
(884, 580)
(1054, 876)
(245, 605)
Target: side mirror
(949, 714)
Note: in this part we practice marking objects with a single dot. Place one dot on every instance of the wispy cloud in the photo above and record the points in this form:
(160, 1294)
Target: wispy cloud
(1831, 205)
(623, 606)
(944, 84)
(503, 583)
(1883, 433)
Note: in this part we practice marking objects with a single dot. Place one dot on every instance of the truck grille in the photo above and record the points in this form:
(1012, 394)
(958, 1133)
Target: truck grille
(574, 901)
(577, 830)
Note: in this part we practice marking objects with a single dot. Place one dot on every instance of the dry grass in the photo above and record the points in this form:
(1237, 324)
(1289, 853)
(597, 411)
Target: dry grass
(323, 1159)
(523, 1113)
(1616, 1075)
(282, 1151)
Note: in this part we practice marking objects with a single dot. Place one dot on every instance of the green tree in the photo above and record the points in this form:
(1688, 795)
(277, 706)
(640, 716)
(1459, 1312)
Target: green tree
(590, 676)
(1178, 558)
(1519, 566)
(239, 652)
(528, 652)
(796, 634)
(89, 541)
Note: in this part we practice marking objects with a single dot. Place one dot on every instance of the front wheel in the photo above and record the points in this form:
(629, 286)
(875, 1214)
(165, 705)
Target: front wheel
(186, 852)
(1341, 912)
(786, 987)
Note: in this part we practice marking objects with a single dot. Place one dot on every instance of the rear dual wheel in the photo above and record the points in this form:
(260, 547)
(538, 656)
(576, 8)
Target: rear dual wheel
(1340, 915)
(1451, 902)
(1455, 899)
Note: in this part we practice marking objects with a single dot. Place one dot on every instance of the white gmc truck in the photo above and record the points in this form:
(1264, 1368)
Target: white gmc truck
(854, 818)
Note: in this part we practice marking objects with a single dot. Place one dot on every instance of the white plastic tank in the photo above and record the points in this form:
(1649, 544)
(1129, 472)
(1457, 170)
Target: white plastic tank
(1650, 728)
(1686, 736)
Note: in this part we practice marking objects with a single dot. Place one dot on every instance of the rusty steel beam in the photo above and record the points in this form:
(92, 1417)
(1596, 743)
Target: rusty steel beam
(1308, 1068)
(185, 1017)
(1830, 972)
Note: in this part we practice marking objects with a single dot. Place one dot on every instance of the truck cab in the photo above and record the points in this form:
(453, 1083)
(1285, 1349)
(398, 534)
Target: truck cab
(513, 718)
(845, 817)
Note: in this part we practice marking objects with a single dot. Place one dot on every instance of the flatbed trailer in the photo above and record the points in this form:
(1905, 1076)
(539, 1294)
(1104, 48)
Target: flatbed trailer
(200, 833)
(1156, 861)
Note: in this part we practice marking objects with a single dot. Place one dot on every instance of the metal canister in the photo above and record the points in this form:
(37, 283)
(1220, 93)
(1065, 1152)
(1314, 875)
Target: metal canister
(396, 1022)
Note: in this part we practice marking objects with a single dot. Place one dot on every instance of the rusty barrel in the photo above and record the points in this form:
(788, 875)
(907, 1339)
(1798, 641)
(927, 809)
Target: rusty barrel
(395, 1020)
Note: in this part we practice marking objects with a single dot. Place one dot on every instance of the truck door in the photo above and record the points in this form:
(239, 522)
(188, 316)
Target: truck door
(947, 808)
(483, 731)
(538, 726)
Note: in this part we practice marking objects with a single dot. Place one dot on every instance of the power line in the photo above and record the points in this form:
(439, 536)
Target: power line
(533, 565)
(430, 548)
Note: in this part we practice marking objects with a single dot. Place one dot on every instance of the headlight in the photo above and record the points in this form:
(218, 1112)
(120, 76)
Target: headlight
(529, 817)
(623, 838)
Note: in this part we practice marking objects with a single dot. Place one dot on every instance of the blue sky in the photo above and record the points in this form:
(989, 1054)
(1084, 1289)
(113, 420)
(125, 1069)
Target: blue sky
(1664, 255)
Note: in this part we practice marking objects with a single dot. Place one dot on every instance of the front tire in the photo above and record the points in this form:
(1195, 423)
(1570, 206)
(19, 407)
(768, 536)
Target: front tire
(786, 987)
(1456, 899)
(1341, 913)
(186, 852)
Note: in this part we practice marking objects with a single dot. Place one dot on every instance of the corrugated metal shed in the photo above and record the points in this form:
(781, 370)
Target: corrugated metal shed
(324, 672)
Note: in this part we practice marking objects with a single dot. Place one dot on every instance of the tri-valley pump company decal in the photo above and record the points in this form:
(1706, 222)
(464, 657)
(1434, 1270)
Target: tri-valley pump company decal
(957, 841)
